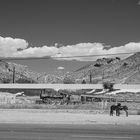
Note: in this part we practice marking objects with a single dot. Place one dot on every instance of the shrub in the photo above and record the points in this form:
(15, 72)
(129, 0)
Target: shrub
(69, 80)
(125, 64)
(97, 65)
(108, 85)
(109, 61)
(23, 80)
(118, 58)
(6, 80)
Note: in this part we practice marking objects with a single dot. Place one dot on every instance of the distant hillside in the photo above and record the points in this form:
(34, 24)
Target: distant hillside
(113, 70)
(22, 73)
(106, 69)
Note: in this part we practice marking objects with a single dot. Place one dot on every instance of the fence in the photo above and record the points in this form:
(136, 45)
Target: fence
(6, 98)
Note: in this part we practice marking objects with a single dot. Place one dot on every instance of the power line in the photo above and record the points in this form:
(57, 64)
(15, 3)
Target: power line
(95, 55)
(61, 57)
(13, 70)
(23, 58)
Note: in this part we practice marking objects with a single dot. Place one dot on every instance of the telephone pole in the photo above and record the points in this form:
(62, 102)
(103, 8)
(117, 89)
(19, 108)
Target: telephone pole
(103, 76)
(90, 77)
(13, 74)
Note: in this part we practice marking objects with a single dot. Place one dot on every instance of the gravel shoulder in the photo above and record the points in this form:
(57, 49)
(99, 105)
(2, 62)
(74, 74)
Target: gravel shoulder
(63, 117)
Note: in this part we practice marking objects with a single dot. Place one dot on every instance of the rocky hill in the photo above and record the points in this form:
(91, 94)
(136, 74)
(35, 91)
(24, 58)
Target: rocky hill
(106, 69)
(22, 74)
(113, 70)
(10, 72)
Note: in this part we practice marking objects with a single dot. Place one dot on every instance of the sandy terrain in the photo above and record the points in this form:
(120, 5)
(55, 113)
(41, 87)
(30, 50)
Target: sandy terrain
(63, 117)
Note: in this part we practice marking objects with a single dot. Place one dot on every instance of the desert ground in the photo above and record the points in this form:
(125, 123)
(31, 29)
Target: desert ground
(36, 116)
(25, 110)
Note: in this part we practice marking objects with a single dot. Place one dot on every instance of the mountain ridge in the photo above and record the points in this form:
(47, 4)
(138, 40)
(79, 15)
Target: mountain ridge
(115, 70)
(112, 70)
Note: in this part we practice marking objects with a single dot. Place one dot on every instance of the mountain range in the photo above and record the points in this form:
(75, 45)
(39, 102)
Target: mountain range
(115, 70)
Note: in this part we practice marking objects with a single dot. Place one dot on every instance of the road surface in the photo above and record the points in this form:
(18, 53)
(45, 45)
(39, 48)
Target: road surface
(68, 132)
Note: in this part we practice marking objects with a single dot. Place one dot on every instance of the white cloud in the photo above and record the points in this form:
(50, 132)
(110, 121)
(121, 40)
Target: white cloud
(85, 49)
(37, 52)
(60, 68)
(9, 47)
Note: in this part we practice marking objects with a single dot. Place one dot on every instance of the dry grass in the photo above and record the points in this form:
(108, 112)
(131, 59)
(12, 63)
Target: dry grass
(95, 107)
(134, 108)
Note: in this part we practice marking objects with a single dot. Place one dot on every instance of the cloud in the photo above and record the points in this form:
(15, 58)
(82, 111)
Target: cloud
(10, 47)
(60, 68)
(15, 47)
(138, 2)
(85, 49)
(37, 52)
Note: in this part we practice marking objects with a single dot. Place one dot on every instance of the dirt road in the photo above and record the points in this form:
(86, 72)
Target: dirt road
(63, 117)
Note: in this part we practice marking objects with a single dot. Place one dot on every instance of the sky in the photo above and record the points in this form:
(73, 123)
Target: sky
(61, 28)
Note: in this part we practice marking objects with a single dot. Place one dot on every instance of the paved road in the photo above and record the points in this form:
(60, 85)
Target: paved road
(68, 132)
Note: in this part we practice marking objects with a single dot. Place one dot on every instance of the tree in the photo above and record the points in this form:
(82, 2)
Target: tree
(125, 64)
(23, 80)
(6, 80)
(68, 80)
(108, 85)
(83, 81)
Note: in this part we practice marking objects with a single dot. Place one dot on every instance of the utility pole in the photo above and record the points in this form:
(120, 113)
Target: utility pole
(103, 76)
(13, 74)
(90, 77)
